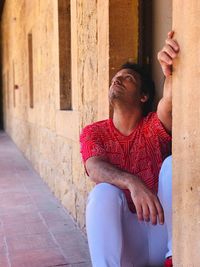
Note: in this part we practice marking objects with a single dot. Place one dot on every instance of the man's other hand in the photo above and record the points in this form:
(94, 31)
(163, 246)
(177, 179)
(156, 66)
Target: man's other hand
(168, 53)
(147, 204)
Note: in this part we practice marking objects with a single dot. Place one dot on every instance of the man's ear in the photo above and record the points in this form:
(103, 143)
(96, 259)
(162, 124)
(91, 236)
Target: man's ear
(144, 98)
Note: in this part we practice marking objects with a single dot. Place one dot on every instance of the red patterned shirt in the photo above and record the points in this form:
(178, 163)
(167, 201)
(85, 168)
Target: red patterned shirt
(141, 153)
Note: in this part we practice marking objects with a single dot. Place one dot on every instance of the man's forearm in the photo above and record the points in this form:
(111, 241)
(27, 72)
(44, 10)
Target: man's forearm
(146, 203)
(101, 171)
(164, 109)
(167, 90)
(166, 57)
(166, 100)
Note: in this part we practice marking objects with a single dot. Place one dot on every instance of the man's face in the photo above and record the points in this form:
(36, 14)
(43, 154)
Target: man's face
(125, 87)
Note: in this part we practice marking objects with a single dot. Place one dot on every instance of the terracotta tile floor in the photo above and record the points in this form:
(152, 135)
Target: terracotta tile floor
(35, 230)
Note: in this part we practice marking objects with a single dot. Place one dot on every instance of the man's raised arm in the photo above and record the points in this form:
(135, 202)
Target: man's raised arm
(166, 57)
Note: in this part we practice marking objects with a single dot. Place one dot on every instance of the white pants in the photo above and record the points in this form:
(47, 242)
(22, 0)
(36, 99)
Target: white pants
(116, 238)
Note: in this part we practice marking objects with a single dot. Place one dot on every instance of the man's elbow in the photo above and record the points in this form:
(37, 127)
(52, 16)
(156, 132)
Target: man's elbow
(91, 167)
(164, 112)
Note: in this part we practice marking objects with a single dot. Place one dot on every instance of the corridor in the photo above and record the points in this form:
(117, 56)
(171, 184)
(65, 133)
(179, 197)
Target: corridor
(35, 230)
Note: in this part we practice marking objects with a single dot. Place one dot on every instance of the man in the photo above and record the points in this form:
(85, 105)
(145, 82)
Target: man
(123, 156)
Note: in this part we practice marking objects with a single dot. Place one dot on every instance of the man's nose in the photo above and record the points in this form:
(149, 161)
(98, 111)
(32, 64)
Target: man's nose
(118, 80)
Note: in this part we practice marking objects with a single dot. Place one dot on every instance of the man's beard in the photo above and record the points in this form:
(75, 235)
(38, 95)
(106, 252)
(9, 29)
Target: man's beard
(115, 98)
(116, 95)
(121, 100)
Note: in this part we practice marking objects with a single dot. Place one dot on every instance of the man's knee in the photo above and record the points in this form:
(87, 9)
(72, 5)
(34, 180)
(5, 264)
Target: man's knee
(105, 192)
(167, 163)
(165, 180)
(166, 169)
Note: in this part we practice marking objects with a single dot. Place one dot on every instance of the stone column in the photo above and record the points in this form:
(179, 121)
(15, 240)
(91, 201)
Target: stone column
(186, 135)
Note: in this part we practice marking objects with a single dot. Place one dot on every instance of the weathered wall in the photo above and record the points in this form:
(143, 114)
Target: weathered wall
(186, 135)
(49, 137)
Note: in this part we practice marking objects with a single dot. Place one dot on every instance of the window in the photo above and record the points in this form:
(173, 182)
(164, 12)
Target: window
(64, 31)
(14, 98)
(123, 33)
(4, 88)
(30, 66)
(8, 89)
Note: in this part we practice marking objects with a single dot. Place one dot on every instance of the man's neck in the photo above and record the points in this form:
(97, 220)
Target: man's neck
(125, 120)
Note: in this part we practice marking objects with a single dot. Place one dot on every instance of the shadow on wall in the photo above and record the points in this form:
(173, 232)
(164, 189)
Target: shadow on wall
(1, 88)
(1, 82)
(1, 105)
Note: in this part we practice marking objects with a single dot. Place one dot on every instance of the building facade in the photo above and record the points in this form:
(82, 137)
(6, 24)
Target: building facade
(58, 57)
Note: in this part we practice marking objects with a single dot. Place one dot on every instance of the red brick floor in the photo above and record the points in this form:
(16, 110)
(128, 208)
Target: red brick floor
(35, 230)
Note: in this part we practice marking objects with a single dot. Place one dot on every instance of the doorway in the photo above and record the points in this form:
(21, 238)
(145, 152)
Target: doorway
(155, 20)
(161, 25)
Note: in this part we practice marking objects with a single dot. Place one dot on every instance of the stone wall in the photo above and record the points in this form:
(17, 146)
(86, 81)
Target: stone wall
(186, 136)
(48, 136)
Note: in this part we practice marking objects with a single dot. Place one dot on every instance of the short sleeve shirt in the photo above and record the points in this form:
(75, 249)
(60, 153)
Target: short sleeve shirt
(141, 153)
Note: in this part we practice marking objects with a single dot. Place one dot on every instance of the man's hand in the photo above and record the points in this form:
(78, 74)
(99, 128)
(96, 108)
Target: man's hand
(147, 204)
(166, 57)
(168, 53)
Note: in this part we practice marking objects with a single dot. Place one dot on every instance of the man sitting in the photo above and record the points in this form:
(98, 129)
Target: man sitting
(123, 156)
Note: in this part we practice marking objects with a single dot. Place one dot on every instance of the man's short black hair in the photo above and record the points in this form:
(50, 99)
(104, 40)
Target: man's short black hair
(147, 85)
